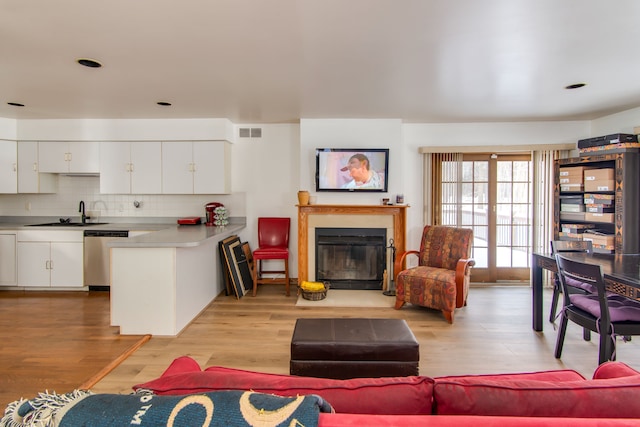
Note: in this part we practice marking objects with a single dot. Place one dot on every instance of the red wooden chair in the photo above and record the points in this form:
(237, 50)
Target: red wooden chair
(273, 244)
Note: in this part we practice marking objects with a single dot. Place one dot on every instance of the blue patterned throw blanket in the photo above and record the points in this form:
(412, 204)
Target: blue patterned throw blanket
(214, 409)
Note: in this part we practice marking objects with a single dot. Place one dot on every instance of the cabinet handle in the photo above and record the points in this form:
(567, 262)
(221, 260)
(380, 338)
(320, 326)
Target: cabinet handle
(51, 264)
(15, 167)
(193, 167)
(46, 265)
(35, 166)
(130, 167)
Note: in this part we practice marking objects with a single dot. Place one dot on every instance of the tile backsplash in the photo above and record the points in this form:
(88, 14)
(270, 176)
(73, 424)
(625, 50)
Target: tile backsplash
(73, 189)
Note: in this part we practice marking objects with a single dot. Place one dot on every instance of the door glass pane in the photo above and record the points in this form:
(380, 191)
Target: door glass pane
(513, 221)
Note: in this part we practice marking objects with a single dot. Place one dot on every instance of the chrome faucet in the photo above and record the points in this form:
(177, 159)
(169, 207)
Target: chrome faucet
(81, 209)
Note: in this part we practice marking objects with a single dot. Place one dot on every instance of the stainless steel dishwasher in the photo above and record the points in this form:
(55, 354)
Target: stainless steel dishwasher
(96, 256)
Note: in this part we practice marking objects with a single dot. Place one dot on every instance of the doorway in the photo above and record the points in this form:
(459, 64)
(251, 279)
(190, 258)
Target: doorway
(492, 194)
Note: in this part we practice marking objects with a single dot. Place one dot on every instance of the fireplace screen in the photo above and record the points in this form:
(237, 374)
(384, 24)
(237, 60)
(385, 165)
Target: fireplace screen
(351, 258)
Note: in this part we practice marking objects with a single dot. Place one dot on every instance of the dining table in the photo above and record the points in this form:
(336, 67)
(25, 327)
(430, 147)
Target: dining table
(621, 273)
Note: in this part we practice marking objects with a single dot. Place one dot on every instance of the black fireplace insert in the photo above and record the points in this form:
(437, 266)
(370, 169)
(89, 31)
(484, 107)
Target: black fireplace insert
(351, 258)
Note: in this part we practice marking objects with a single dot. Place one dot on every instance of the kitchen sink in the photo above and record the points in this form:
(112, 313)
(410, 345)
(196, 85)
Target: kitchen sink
(67, 224)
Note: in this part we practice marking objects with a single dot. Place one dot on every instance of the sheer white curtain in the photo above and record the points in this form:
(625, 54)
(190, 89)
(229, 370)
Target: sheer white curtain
(435, 192)
(543, 179)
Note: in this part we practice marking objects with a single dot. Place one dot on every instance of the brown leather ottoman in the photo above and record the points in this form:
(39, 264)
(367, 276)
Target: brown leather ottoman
(353, 348)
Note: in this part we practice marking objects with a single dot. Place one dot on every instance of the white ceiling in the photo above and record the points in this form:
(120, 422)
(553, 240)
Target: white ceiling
(265, 61)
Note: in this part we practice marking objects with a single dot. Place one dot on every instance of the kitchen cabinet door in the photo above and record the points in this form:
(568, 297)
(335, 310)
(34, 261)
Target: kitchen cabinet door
(69, 157)
(115, 166)
(197, 167)
(30, 180)
(8, 167)
(50, 258)
(211, 160)
(177, 168)
(146, 167)
(67, 264)
(34, 264)
(8, 276)
(131, 167)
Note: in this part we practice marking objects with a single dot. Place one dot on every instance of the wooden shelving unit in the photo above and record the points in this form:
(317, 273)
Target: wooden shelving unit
(626, 225)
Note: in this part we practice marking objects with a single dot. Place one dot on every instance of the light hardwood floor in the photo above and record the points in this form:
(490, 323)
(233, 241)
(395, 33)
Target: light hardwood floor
(55, 341)
(47, 339)
(492, 334)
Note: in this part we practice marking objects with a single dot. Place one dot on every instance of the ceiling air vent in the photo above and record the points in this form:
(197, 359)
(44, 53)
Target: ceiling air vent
(250, 132)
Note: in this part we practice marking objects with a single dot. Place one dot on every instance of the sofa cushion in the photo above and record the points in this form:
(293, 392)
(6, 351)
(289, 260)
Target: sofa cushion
(390, 395)
(529, 397)
(615, 370)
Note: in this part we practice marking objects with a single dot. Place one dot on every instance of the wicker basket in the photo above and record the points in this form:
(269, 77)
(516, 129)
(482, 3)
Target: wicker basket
(315, 295)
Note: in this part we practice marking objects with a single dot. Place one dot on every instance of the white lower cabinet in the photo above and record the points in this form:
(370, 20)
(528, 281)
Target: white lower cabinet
(50, 259)
(8, 276)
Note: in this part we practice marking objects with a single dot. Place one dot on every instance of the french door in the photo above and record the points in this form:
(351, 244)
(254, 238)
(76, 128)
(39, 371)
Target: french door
(491, 194)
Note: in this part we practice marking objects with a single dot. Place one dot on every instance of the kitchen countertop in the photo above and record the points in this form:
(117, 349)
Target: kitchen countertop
(178, 236)
(164, 234)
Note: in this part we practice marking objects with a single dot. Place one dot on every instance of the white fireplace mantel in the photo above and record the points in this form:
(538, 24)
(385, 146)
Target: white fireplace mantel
(392, 217)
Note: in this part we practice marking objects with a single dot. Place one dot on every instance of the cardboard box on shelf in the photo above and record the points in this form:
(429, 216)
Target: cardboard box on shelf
(599, 199)
(599, 217)
(571, 179)
(604, 241)
(572, 216)
(598, 174)
(599, 179)
(600, 208)
(571, 187)
(576, 228)
(574, 237)
(600, 185)
(569, 171)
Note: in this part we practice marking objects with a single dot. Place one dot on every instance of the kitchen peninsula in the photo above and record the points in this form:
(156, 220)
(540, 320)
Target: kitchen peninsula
(161, 281)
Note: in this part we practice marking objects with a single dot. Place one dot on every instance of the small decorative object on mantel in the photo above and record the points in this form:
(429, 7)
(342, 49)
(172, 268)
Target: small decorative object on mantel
(314, 291)
(303, 197)
(220, 216)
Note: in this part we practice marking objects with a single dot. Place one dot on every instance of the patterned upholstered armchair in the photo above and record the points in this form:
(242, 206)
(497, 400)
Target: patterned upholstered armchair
(441, 279)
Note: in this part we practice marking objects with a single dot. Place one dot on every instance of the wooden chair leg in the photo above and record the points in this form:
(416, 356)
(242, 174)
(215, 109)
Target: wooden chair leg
(255, 277)
(554, 302)
(399, 304)
(448, 315)
(562, 330)
(286, 276)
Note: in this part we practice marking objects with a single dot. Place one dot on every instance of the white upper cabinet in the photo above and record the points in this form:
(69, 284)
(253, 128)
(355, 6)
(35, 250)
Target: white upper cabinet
(69, 157)
(131, 167)
(8, 167)
(196, 167)
(30, 180)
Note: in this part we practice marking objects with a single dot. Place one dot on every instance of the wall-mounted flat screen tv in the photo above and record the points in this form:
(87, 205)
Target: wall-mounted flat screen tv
(349, 169)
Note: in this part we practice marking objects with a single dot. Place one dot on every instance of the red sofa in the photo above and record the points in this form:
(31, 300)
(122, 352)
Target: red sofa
(562, 397)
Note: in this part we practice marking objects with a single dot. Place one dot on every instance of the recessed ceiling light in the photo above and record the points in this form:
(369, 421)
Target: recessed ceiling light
(575, 86)
(91, 63)
(164, 103)
(15, 104)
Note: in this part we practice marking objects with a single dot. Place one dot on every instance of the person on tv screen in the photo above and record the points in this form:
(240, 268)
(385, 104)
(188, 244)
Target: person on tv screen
(360, 171)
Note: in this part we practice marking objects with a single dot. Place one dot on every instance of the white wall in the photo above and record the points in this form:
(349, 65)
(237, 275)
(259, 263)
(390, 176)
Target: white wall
(623, 122)
(8, 129)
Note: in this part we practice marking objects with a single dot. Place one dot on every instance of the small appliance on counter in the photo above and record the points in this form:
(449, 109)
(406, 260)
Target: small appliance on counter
(210, 212)
(191, 220)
